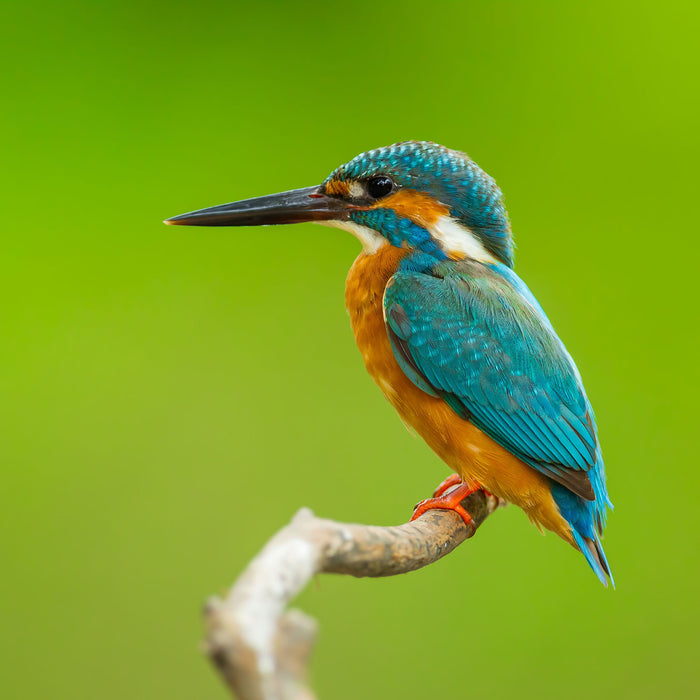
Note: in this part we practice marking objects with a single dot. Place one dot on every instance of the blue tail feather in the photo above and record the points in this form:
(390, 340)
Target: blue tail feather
(587, 520)
(595, 556)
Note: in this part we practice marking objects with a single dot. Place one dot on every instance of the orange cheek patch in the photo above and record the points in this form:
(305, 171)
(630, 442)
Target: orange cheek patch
(337, 188)
(420, 207)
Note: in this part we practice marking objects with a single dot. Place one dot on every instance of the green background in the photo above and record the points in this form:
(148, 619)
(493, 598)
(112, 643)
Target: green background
(170, 396)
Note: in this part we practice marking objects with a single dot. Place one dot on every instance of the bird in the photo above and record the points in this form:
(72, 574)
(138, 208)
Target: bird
(455, 340)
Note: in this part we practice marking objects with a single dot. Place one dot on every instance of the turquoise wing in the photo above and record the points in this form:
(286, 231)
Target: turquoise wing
(475, 336)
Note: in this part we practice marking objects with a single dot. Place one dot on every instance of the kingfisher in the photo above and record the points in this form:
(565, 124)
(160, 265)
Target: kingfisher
(452, 336)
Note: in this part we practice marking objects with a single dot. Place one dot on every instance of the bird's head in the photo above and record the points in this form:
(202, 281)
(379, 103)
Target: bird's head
(415, 195)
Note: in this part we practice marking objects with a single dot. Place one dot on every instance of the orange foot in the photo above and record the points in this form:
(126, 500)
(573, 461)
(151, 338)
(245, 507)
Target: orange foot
(450, 501)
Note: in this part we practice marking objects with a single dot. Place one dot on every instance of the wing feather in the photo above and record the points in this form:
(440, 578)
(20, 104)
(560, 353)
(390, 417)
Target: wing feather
(468, 333)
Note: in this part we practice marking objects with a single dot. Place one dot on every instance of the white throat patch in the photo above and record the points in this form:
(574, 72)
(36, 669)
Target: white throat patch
(371, 240)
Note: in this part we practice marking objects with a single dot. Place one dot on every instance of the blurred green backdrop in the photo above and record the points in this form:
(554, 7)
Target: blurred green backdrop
(170, 396)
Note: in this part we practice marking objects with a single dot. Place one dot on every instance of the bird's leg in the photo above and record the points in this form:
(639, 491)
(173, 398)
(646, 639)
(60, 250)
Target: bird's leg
(452, 500)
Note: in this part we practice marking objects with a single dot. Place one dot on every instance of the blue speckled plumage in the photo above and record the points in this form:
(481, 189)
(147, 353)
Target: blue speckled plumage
(400, 231)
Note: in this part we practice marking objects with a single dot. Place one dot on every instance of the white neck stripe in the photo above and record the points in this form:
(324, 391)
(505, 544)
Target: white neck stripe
(456, 238)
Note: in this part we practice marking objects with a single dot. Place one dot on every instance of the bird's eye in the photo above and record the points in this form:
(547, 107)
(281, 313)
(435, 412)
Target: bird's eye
(379, 186)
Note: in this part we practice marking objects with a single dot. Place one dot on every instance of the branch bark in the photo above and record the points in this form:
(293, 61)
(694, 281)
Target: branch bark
(261, 649)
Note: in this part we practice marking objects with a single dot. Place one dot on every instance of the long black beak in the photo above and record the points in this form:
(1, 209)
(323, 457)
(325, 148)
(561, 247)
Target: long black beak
(295, 206)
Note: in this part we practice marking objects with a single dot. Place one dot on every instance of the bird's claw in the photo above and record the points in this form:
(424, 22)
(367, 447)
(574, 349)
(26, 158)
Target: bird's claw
(448, 496)
(452, 480)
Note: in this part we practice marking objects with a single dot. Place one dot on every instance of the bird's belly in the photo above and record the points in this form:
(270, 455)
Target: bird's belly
(466, 449)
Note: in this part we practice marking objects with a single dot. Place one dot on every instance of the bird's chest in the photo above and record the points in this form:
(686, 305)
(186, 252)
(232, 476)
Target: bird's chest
(428, 415)
(364, 300)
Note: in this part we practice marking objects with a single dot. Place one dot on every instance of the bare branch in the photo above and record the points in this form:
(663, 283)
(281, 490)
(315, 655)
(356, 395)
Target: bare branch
(263, 651)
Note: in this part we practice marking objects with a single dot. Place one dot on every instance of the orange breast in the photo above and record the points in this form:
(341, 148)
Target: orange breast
(465, 448)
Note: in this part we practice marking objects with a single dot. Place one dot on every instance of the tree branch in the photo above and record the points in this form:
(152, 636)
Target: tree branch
(262, 651)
